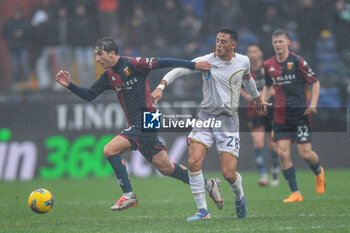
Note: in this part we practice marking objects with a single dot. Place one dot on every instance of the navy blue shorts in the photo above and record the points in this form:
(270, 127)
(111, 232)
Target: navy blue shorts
(147, 143)
(266, 121)
(299, 131)
(257, 121)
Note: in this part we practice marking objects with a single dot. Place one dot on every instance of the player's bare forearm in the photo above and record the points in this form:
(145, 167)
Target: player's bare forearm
(312, 109)
(266, 93)
(315, 94)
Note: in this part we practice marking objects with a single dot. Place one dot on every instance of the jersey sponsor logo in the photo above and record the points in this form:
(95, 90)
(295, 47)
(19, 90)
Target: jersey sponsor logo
(151, 120)
(289, 65)
(128, 84)
(283, 80)
(138, 59)
(113, 78)
(272, 69)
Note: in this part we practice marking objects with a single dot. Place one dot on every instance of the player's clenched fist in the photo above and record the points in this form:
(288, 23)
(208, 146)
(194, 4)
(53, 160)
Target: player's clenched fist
(63, 78)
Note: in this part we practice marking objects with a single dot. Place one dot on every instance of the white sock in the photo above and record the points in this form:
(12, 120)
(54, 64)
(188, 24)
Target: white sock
(237, 188)
(128, 195)
(197, 187)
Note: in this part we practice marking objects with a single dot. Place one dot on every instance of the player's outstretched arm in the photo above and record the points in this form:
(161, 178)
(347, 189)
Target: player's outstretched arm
(203, 66)
(167, 79)
(63, 78)
(175, 62)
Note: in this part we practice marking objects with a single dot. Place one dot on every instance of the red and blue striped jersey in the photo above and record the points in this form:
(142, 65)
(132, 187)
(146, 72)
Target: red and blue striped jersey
(129, 78)
(289, 79)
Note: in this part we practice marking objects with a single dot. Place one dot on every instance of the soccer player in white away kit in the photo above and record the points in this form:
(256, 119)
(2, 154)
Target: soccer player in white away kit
(221, 92)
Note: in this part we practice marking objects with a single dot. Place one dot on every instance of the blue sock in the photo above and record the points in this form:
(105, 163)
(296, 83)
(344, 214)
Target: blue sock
(316, 168)
(290, 177)
(275, 160)
(260, 159)
(180, 174)
(120, 172)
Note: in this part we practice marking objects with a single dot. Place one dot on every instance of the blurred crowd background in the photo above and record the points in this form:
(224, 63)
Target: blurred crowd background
(40, 37)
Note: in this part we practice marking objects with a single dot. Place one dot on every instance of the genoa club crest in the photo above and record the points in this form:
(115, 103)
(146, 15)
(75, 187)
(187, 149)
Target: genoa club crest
(127, 71)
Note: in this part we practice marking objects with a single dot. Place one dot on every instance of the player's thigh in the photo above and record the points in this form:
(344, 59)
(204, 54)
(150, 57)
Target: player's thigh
(227, 138)
(162, 162)
(228, 166)
(117, 145)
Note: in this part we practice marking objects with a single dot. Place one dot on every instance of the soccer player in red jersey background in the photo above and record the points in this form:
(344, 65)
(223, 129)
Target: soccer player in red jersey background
(289, 75)
(258, 125)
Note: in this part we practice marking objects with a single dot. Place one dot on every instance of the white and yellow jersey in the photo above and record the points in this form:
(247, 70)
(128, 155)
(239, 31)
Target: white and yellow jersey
(222, 84)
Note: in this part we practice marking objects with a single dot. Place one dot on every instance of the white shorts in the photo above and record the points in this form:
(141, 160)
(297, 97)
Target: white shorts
(226, 137)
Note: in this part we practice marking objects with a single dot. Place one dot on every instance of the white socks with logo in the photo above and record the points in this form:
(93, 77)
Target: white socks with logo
(237, 188)
(198, 189)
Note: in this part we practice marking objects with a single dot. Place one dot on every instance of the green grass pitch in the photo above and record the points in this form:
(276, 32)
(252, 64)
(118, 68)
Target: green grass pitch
(82, 205)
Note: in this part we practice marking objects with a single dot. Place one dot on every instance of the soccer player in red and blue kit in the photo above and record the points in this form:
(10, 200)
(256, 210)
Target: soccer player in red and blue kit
(258, 125)
(128, 77)
(289, 75)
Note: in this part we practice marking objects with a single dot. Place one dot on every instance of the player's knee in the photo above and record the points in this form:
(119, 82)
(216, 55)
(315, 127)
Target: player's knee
(229, 173)
(283, 153)
(305, 154)
(259, 143)
(166, 171)
(230, 176)
(108, 152)
(194, 164)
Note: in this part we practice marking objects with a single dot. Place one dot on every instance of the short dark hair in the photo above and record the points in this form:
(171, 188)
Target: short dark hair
(254, 44)
(279, 32)
(107, 44)
(233, 34)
